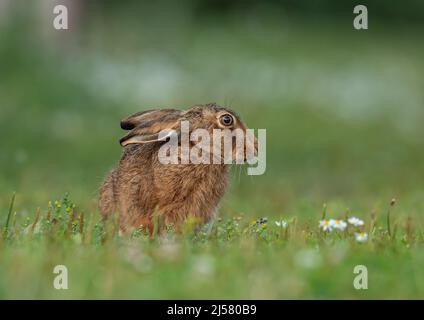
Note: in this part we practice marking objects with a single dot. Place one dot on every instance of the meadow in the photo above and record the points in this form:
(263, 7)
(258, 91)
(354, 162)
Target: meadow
(343, 113)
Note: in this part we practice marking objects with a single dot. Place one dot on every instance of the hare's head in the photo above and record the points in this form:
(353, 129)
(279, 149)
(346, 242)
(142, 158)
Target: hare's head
(219, 128)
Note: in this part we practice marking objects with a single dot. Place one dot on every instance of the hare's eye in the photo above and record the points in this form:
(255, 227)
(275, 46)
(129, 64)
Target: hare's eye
(227, 120)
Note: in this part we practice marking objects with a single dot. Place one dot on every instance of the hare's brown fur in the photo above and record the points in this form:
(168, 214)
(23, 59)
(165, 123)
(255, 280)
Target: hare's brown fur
(142, 186)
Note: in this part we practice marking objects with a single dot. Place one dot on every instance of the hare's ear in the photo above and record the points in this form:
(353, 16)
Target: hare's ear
(150, 126)
(136, 138)
(147, 117)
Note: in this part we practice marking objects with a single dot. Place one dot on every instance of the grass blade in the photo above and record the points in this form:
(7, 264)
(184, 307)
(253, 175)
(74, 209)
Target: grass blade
(392, 203)
(6, 228)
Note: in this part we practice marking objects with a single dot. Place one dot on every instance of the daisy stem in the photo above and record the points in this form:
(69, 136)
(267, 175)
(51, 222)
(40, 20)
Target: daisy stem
(346, 214)
(324, 211)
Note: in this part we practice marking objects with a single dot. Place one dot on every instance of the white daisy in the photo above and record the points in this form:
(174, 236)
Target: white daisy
(282, 223)
(325, 225)
(338, 224)
(361, 236)
(356, 222)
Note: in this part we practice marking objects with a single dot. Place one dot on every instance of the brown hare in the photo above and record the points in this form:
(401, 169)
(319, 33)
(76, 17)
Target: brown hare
(142, 186)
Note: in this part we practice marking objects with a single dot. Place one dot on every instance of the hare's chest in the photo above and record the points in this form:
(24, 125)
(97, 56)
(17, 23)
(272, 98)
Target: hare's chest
(191, 183)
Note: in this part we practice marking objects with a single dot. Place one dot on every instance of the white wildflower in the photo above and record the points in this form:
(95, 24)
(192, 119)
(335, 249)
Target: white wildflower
(356, 222)
(325, 225)
(338, 224)
(361, 236)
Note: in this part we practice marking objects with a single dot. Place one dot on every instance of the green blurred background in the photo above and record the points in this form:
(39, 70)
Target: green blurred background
(343, 108)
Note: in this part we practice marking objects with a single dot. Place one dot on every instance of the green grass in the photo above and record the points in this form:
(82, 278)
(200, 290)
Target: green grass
(239, 258)
(343, 113)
